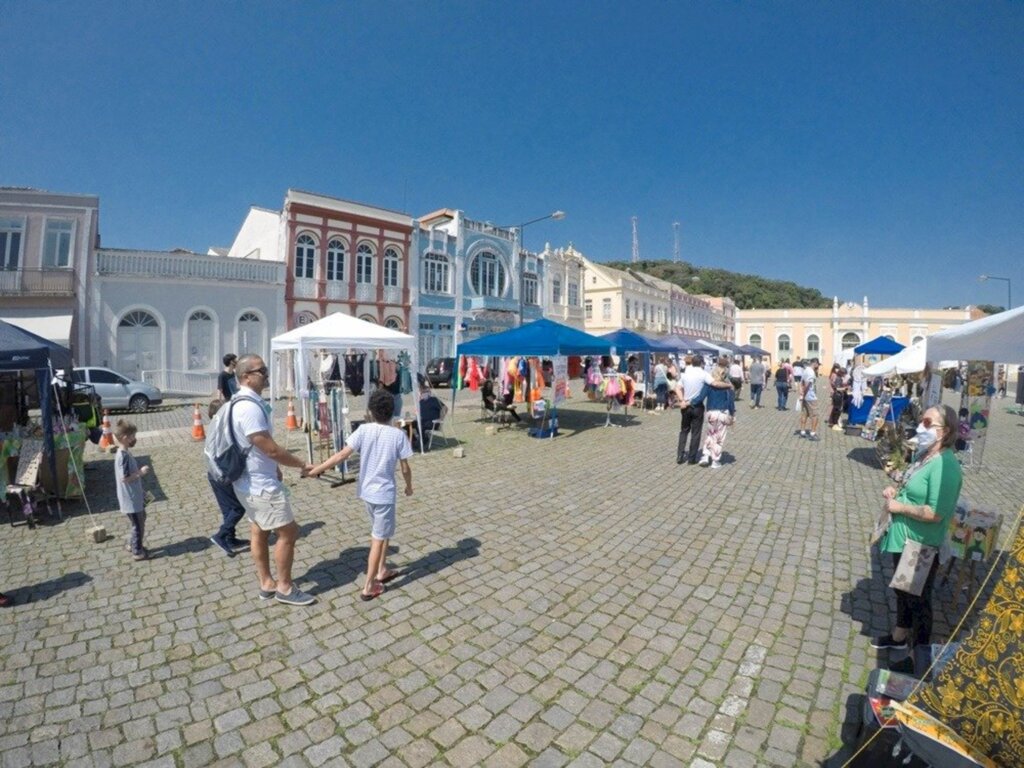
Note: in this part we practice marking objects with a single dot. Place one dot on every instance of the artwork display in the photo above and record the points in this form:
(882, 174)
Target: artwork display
(975, 406)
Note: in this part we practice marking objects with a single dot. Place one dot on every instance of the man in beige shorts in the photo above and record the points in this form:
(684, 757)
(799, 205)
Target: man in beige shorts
(260, 488)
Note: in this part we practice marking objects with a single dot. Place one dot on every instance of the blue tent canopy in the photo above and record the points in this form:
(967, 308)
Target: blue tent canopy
(750, 349)
(22, 350)
(880, 346)
(680, 343)
(626, 340)
(541, 338)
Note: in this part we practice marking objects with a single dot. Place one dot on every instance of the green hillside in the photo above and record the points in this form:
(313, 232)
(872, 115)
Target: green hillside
(748, 291)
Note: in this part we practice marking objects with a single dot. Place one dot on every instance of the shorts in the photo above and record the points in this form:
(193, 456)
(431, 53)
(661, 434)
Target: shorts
(269, 510)
(808, 406)
(382, 520)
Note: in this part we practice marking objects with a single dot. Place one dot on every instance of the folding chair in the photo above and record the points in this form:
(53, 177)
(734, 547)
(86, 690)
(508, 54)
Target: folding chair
(437, 425)
(26, 489)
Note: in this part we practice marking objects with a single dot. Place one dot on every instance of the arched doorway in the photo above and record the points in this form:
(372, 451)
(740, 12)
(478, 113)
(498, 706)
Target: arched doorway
(138, 344)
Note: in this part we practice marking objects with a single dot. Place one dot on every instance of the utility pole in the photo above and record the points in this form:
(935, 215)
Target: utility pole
(675, 250)
(636, 244)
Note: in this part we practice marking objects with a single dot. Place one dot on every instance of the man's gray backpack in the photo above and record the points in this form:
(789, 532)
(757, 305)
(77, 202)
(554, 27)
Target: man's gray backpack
(225, 459)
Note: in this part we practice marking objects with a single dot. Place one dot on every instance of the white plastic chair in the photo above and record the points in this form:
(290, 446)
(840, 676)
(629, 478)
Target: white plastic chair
(437, 425)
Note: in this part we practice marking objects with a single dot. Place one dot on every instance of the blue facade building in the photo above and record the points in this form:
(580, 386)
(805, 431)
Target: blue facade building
(472, 280)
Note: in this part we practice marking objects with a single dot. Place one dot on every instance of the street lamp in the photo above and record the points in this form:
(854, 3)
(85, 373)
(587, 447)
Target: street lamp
(557, 216)
(1009, 293)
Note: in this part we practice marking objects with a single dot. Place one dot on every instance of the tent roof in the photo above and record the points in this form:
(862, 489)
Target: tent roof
(21, 350)
(879, 346)
(341, 331)
(541, 338)
(999, 338)
(626, 340)
(750, 349)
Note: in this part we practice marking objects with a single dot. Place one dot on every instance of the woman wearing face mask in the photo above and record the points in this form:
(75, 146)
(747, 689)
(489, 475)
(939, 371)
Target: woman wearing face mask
(921, 509)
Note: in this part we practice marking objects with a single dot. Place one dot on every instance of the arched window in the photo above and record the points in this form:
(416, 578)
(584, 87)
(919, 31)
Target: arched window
(393, 323)
(435, 273)
(784, 348)
(917, 339)
(336, 260)
(755, 340)
(200, 342)
(813, 344)
(391, 259)
(305, 256)
(364, 264)
(850, 340)
(487, 276)
(138, 319)
(250, 334)
(890, 337)
(369, 319)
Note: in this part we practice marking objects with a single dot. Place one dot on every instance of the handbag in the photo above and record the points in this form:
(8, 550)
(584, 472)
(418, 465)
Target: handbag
(915, 565)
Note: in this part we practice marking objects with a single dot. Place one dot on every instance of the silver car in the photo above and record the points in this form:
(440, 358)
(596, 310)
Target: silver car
(116, 391)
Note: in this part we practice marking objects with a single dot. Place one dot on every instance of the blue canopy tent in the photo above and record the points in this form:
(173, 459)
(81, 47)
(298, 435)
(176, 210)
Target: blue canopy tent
(626, 340)
(682, 343)
(883, 345)
(21, 350)
(541, 338)
(750, 349)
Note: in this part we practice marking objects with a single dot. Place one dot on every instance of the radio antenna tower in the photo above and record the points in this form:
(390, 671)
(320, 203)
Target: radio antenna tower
(675, 250)
(636, 244)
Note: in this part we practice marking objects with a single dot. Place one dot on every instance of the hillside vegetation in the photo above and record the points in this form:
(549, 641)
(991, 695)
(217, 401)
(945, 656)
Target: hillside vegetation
(748, 291)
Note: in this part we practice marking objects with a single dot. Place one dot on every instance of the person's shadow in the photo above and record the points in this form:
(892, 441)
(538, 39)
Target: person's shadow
(183, 547)
(47, 589)
(350, 563)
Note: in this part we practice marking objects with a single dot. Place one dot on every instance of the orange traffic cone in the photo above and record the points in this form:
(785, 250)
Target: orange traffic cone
(198, 433)
(291, 423)
(106, 439)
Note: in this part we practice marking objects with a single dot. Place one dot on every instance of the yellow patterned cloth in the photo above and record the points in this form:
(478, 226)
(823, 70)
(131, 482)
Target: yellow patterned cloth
(979, 694)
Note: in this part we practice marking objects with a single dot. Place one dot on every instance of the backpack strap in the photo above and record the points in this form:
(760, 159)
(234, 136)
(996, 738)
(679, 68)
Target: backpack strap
(231, 404)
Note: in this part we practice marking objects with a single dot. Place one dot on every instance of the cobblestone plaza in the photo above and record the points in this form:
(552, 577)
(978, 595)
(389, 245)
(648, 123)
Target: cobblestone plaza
(579, 601)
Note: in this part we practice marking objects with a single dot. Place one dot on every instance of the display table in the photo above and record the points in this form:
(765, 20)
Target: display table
(860, 415)
(68, 484)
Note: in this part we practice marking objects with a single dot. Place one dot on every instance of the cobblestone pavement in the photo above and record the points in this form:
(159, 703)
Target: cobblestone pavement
(579, 601)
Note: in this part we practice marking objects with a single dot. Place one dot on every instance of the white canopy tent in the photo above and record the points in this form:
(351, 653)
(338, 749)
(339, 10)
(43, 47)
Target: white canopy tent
(999, 338)
(910, 360)
(339, 333)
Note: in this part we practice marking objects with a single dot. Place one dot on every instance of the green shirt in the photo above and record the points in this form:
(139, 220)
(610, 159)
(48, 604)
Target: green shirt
(937, 483)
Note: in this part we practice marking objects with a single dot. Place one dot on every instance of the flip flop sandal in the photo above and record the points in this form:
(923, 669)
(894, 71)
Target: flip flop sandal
(390, 577)
(376, 593)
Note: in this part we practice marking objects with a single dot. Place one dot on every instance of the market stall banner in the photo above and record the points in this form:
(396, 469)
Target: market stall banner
(976, 403)
(978, 697)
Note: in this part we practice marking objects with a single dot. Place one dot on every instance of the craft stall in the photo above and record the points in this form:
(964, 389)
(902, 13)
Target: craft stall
(541, 339)
(333, 358)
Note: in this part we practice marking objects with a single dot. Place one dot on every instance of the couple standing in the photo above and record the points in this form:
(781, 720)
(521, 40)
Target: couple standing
(715, 388)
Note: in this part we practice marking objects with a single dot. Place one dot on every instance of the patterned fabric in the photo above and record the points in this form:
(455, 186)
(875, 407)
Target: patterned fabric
(979, 695)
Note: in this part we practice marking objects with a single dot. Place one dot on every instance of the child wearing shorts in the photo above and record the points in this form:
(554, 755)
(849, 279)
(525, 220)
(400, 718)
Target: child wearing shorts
(128, 478)
(380, 447)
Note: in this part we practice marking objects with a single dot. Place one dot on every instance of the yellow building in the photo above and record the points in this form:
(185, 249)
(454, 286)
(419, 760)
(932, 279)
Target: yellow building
(825, 333)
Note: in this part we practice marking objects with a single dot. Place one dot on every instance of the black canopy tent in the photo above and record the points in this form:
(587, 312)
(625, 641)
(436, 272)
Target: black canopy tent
(21, 350)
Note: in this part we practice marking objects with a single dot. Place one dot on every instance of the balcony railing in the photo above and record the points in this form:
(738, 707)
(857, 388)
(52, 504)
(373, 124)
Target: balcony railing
(392, 295)
(337, 289)
(366, 292)
(188, 266)
(483, 227)
(304, 288)
(37, 282)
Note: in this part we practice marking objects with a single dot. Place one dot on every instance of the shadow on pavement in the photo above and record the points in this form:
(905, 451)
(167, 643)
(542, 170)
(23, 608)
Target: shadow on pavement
(47, 589)
(184, 547)
(867, 456)
(342, 570)
(436, 561)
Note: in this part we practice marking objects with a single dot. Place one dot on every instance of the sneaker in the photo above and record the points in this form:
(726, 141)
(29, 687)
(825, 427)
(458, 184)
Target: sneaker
(803, 433)
(223, 544)
(267, 594)
(236, 543)
(143, 555)
(704, 461)
(716, 465)
(813, 437)
(295, 597)
(887, 641)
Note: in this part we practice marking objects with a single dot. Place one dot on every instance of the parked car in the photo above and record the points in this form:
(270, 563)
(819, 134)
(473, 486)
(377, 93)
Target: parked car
(440, 370)
(116, 391)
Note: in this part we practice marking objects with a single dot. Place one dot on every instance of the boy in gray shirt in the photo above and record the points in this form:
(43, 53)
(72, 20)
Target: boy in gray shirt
(128, 477)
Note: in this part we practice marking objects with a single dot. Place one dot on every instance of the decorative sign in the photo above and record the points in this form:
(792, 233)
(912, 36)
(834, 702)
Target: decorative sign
(560, 379)
(303, 318)
(975, 405)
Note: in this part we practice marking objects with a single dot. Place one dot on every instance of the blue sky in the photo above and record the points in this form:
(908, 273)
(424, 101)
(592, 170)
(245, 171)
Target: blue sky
(859, 148)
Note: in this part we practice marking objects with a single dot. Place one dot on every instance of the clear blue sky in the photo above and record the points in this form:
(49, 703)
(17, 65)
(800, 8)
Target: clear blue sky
(858, 148)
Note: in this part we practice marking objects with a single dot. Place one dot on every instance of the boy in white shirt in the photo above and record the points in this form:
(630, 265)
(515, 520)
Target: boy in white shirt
(380, 447)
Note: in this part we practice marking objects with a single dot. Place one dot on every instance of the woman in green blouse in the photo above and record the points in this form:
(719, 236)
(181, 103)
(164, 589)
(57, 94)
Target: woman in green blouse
(921, 510)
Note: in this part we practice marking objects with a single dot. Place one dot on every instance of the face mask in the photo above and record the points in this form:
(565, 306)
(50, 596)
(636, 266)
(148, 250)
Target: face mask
(926, 438)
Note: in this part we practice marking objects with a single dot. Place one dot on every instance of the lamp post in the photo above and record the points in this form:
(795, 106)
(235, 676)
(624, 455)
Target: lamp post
(557, 216)
(1009, 293)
